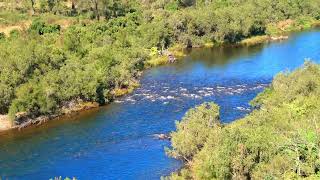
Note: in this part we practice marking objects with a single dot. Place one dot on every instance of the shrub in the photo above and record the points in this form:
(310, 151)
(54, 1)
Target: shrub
(14, 33)
(193, 130)
(2, 36)
(40, 27)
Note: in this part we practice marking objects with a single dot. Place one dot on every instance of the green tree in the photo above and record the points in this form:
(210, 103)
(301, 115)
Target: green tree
(193, 130)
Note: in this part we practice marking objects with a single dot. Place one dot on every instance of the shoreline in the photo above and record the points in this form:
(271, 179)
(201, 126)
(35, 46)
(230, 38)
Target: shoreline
(69, 109)
(6, 125)
(178, 51)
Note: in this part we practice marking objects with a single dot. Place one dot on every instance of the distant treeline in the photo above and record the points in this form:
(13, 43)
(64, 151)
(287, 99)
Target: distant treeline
(278, 140)
(45, 66)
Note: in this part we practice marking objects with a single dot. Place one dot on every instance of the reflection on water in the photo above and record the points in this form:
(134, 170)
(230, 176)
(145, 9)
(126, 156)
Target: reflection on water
(116, 142)
(219, 56)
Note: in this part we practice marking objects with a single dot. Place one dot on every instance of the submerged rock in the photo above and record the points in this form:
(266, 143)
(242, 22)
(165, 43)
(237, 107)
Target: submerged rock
(243, 109)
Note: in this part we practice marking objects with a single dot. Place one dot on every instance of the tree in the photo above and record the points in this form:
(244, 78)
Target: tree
(193, 130)
(73, 7)
(95, 4)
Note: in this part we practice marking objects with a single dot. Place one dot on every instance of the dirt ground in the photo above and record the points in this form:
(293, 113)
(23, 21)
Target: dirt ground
(21, 26)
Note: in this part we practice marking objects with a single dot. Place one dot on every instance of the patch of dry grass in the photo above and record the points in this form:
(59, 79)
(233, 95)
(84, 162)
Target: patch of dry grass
(22, 26)
(255, 40)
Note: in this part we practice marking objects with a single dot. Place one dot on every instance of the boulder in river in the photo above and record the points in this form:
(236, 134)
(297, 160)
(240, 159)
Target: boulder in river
(171, 58)
(162, 136)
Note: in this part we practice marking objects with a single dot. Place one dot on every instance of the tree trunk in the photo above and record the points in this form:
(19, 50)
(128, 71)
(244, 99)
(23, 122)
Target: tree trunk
(73, 8)
(96, 10)
(32, 7)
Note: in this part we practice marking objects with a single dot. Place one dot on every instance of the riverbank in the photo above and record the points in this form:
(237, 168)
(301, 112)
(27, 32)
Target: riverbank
(280, 31)
(178, 51)
(6, 124)
(68, 109)
(275, 32)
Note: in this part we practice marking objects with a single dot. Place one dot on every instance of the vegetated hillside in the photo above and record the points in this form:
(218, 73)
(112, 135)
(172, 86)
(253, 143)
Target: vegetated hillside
(44, 66)
(278, 140)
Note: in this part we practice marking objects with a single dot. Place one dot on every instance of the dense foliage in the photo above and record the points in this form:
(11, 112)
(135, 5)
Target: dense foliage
(45, 66)
(278, 140)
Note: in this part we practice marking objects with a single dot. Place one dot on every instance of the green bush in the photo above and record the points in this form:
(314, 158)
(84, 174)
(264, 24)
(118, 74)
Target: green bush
(14, 33)
(40, 27)
(2, 36)
(193, 130)
(172, 6)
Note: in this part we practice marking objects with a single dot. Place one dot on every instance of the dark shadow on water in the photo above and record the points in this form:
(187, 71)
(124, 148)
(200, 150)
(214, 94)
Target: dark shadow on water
(219, 56)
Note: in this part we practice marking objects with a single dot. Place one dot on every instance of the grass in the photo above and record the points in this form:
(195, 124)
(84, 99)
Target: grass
(254, 40)
(157, 61)
(208, 45)
(12, 18)
(63, 21)
(123, 91)
(178, 51)
(10, 21)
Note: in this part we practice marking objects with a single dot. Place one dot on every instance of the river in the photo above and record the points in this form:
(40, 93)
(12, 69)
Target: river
(116, 141)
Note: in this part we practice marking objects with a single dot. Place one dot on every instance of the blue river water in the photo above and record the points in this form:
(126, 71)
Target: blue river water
(117, 142)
